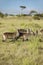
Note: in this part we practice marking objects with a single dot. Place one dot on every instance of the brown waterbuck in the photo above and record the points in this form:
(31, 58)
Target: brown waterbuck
(24, 33)
(10, 35)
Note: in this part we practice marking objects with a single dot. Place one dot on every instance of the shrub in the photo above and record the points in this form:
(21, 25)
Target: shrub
(36, 18)
(1, 15)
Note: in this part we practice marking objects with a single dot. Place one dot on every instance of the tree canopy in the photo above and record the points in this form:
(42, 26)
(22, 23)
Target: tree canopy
(23, 7)
(33, 12)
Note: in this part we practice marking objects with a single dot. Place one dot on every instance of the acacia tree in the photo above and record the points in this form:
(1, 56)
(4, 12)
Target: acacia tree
(33, 12)
(22, 8)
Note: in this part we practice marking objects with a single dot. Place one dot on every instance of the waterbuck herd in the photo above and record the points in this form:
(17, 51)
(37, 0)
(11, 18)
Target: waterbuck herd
(21, 33)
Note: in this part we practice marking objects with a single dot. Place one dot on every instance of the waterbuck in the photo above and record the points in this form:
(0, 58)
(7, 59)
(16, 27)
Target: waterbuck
(23, 33)
(34, 33)
(10, 35)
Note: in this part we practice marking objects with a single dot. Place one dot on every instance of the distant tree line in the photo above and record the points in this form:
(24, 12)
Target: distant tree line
(2, 15)
(33, 13)
(39, 15)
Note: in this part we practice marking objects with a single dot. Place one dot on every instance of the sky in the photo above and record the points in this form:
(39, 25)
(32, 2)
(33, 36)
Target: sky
(13, 6)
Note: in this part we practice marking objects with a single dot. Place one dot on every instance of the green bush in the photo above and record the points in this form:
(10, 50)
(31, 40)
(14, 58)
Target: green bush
(36, 18)
(1, 15)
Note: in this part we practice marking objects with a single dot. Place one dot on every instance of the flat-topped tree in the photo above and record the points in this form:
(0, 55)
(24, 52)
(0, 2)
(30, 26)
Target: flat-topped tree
(22, 8)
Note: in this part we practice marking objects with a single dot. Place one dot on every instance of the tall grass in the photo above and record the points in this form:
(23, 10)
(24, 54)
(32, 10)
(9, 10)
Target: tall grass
(19, 52)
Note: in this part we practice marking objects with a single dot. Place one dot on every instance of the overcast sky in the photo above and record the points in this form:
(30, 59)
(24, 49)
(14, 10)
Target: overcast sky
(12, 6)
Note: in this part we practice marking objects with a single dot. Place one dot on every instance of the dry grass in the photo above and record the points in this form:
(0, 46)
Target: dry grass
(19, 52)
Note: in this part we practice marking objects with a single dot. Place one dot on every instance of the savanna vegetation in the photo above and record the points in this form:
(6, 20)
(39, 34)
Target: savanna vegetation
(18, 52)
